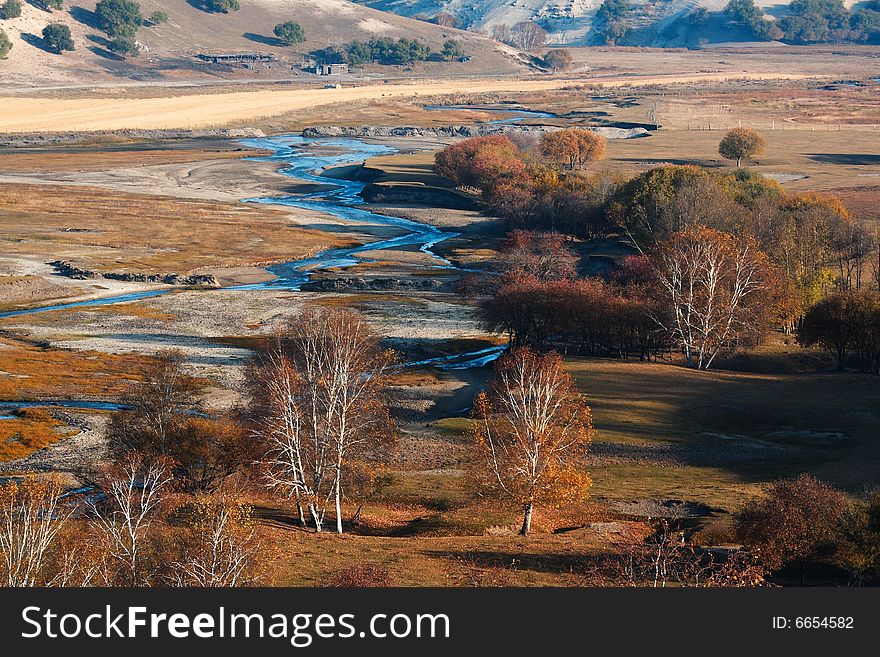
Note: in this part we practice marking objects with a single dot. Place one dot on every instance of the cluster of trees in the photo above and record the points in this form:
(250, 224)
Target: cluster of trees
(811, 21)
(165, 511)
(381, 50)
(794, 524)
(727, 255)
(219, 6)
(168, 508)
(120, 20)
(318, 405)
(525, 35)
(802, 520)
(747, 14)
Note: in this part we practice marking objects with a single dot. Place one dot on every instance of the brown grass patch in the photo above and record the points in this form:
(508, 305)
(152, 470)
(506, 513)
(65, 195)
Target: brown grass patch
(29, 372)
(110, 231)
(32, 429)
(71, 161)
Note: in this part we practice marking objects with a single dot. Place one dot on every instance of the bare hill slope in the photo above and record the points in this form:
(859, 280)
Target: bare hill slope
(654, 22)
(169, 49)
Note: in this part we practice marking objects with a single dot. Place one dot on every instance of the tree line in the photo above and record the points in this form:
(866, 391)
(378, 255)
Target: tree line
(723, 257)
(171, 506)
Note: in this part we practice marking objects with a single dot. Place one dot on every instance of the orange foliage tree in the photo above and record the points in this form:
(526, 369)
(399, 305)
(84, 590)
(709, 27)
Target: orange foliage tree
(572, 148)
(532, 431)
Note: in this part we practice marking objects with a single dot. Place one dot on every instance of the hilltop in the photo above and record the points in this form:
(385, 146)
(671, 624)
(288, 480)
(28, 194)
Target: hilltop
(168, 51)
(661, 23)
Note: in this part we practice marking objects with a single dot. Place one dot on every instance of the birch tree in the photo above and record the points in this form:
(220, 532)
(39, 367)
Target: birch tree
(221, 549)
(133, 492)
(320, 403)
(532, 431)
(715, 288)
(31, 514)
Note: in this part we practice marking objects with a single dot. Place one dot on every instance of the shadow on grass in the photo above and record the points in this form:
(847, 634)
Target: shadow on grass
(542, 563)
(84, 16)
(851, 159)
(265, 40)
(37, 42)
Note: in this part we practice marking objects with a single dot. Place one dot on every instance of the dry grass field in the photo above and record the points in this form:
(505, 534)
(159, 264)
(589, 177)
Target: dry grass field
(108, 231)
(35, 372)
(32, 114)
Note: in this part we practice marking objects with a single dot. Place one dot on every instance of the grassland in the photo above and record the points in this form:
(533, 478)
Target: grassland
(109, 231)
(30, 114)
(34, 372)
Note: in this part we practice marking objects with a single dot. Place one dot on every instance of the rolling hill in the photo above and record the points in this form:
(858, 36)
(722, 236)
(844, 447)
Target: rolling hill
(652, 22)
(169, 50)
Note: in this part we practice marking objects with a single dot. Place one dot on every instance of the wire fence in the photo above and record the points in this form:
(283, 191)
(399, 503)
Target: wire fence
(784, 126)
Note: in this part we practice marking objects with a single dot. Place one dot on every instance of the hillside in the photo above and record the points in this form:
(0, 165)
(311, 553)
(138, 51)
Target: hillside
(169, 49)
(652, 22)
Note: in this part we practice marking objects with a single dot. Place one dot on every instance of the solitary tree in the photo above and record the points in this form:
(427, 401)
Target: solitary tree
(558, 59)
(740, 143)
(5, 45)
(573, 147)
(133, 492)
(290, 33)
(453, 49)
(57, 37)
(124, 47)
(715, 290)
(119, 18)
(532, 431)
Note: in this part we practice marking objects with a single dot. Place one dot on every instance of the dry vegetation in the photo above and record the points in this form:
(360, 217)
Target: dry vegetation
(31, 372)
(108, 231)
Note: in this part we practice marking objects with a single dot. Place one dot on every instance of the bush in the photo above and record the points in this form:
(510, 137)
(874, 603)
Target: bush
(57, 37)
(796, 519)
(157, 18)
(290, 33)
(5, 45)
(365, 575)
(10, 9)
(124, 47)
(559, 59)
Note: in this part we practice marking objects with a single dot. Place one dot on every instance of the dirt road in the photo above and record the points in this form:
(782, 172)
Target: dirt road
(24, 114)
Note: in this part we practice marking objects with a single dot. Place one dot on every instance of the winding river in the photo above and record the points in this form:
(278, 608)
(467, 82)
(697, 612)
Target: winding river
(306, 160)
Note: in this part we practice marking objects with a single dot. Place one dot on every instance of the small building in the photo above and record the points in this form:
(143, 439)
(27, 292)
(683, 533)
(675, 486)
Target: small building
(332, 69)
(237, 58)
